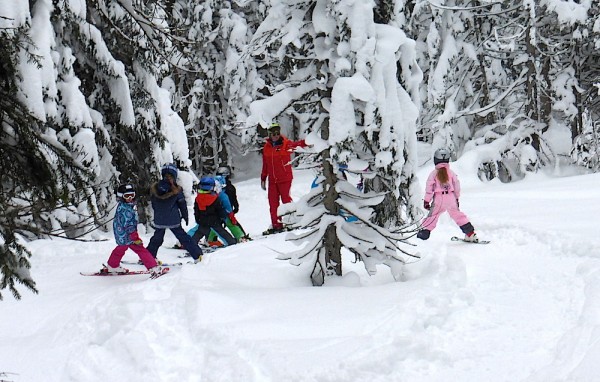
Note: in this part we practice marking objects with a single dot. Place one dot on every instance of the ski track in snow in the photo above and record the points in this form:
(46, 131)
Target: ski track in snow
(410, 336)
(465, 312)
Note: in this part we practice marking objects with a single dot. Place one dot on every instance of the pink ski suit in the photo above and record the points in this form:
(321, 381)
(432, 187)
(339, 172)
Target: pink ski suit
(442, 198)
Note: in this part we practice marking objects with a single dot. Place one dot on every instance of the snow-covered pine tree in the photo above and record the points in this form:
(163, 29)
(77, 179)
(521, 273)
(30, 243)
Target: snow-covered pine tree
(580, 87)
(87, 74)
(586, 147)
(513, 81)
(339, 79)
(465, 80)
(199, 87)
(122, 52)
(241, 85)
(541, 48)
(510, 88)
(46, 182)
(211, 93)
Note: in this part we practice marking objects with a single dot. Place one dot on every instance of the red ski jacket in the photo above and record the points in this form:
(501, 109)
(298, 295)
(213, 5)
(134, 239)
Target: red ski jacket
(276, 159)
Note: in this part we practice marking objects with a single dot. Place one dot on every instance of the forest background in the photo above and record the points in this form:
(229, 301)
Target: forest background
(96, 93)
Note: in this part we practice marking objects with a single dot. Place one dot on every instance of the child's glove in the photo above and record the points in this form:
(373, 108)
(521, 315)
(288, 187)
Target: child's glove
(135, 237)
(186, 221)
(232, 218)
(457, 204)
(263, 184)
(426, 205)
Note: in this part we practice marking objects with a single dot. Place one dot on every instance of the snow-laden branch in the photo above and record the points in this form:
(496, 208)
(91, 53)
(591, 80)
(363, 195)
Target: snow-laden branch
(488, 108)
(150, 30)
(470, 8)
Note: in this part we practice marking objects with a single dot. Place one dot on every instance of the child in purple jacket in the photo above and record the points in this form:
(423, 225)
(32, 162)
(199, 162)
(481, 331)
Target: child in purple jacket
(442, 193)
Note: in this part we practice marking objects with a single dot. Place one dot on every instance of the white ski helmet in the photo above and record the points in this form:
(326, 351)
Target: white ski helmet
(441, 155)
(224, 171)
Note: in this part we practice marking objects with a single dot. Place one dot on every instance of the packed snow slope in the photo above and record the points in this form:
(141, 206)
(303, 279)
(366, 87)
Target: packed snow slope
(525, 307)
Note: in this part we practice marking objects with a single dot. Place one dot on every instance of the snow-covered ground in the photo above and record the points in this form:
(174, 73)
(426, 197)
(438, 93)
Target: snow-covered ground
(524, 308)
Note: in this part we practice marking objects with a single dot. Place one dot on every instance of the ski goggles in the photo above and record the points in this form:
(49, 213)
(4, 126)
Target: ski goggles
(129, 195)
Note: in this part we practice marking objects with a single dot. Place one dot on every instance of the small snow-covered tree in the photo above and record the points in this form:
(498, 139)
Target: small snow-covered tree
(342, 85)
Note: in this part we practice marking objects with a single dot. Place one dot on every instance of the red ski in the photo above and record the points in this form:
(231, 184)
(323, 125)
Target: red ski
(128, 273)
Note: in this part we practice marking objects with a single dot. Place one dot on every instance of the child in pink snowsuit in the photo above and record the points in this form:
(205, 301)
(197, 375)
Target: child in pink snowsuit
(442, 193)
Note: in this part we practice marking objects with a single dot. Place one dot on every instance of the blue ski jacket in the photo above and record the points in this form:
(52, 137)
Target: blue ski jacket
(125, 223)
(169, 208)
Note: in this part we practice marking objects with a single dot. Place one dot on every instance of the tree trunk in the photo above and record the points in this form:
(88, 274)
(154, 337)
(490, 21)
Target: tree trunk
(532, 101)
(332, 244)
(577, 123)
(489, 118)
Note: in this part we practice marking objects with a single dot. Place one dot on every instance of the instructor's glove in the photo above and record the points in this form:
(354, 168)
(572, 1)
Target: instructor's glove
(232, 218)
(426, 205)
(135, 237)
(263, 184)
(186, 221)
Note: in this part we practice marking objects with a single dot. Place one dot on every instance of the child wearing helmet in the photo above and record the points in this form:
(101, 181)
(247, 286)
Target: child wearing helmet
(442, 193)
(126, 234)
(229, 188)
(228, 196)
(209, 212)
(168, 203)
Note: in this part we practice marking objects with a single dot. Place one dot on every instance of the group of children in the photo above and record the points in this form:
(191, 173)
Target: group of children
(215, 205)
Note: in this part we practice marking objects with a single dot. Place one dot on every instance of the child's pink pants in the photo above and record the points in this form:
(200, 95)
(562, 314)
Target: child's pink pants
(443, 202)
(117, 254)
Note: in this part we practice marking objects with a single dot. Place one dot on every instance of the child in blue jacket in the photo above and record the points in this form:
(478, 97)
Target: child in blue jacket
(126, 234)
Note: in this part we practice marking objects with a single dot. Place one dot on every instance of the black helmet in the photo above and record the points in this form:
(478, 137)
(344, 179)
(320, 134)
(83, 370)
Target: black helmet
(126, 191)
(223, 171)
(441, 155)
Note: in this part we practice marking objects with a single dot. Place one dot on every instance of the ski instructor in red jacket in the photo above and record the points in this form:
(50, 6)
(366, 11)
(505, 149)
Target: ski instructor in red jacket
(278, 168)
